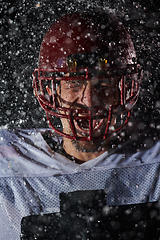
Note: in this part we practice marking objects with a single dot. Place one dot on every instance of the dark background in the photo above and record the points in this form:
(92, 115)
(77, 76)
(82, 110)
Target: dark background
(24, 24)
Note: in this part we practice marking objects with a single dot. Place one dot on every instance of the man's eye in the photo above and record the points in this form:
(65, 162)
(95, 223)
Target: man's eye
(74, 84)
(104, 85)
(107, 84)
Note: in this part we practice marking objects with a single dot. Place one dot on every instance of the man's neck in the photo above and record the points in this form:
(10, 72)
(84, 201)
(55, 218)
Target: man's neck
(83, 151)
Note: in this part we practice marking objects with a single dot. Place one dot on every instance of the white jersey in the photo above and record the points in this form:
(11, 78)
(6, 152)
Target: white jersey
(35, 180)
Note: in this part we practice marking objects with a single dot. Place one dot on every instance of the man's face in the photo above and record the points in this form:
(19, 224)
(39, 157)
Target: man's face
(87, 95)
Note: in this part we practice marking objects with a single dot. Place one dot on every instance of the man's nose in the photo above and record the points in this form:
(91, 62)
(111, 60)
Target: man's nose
(88, 95)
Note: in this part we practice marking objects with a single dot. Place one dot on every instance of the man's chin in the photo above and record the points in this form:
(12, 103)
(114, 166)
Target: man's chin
(88, 146)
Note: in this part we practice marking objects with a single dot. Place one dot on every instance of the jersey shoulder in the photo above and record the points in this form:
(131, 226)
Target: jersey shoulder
(24, 151)
(142, 146)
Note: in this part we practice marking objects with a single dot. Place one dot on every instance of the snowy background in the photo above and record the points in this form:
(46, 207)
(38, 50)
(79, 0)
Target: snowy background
(24, 24)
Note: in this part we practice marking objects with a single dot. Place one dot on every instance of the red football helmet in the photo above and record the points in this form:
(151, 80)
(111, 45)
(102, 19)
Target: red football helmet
(80, 48)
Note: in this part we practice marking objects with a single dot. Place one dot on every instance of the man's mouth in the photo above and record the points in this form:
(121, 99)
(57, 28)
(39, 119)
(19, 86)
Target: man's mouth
(84, 125)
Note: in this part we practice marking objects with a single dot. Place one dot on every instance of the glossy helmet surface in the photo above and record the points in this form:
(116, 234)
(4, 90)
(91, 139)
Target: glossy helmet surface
(81, 46)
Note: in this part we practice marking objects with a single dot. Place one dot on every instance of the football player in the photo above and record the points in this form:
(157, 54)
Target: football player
(70, 182)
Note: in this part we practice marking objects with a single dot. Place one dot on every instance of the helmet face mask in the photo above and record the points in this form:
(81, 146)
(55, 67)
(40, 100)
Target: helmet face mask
(91, 94)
